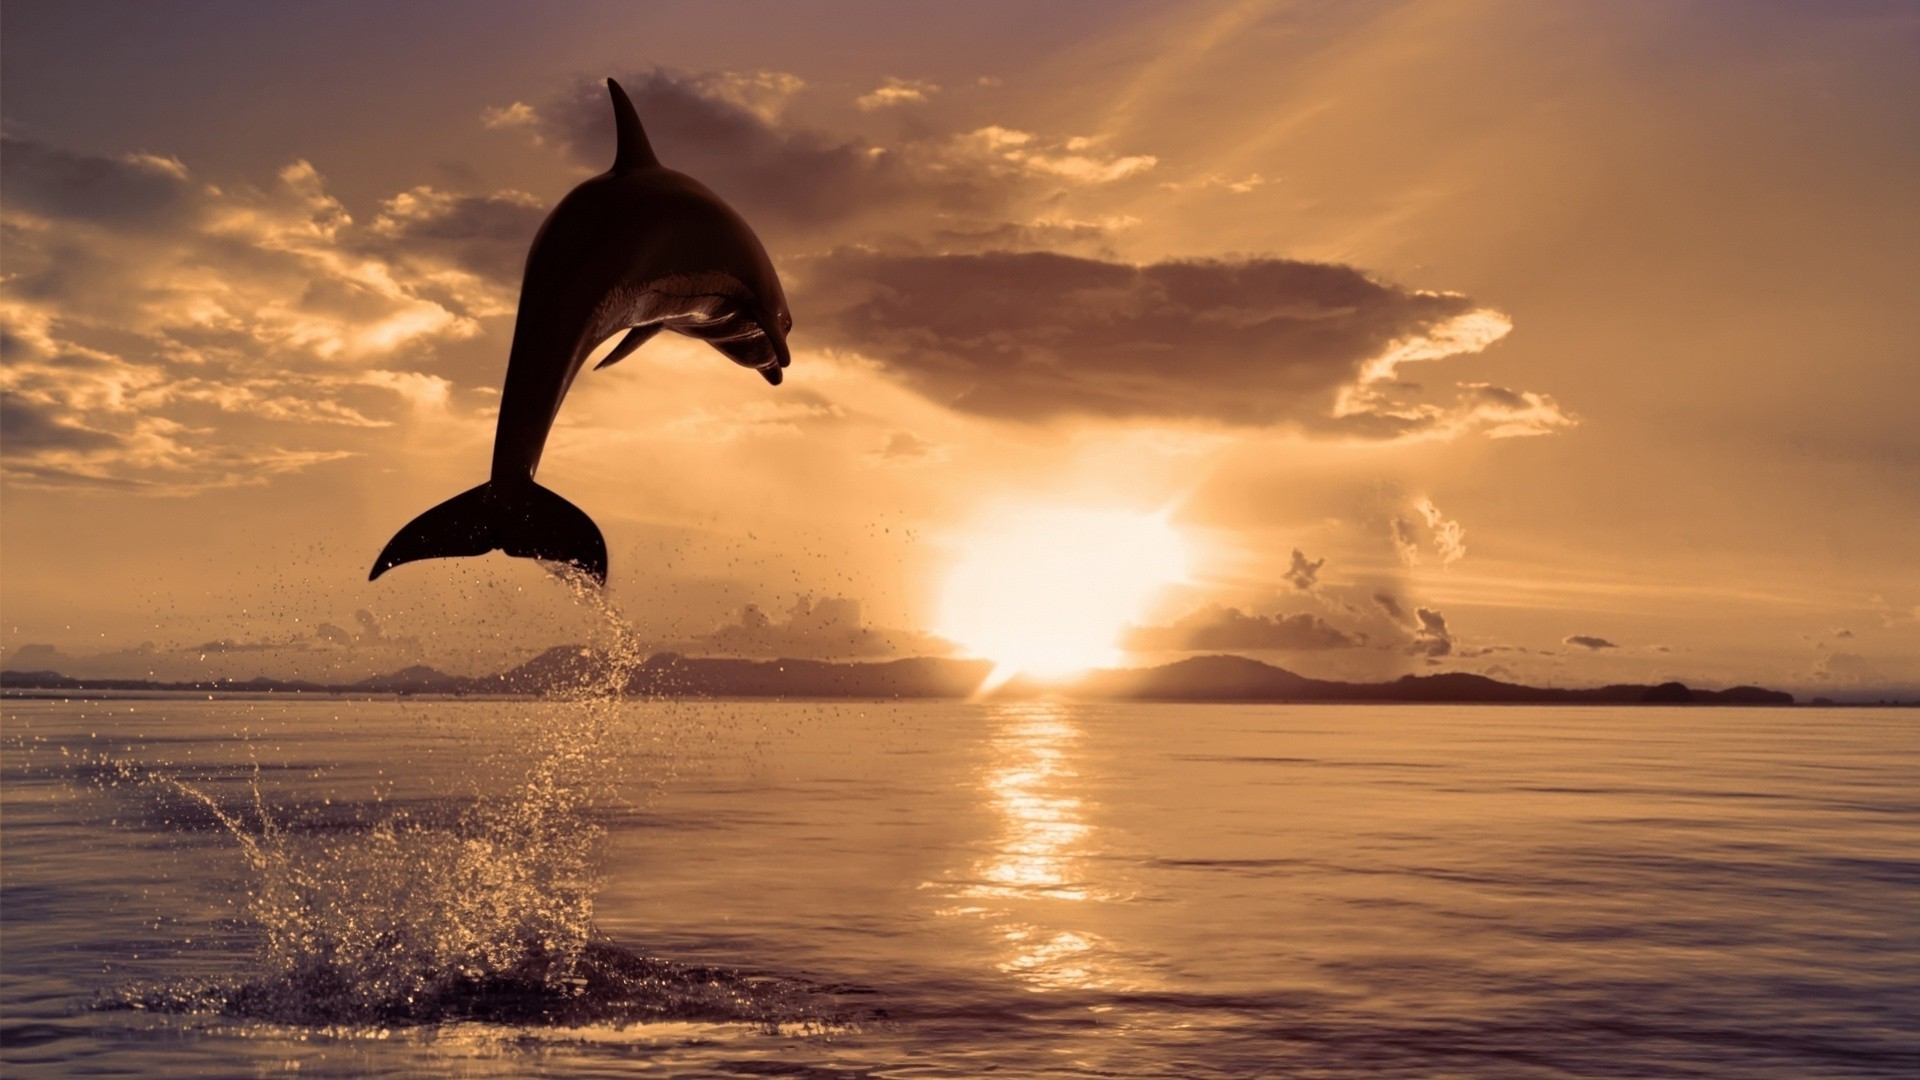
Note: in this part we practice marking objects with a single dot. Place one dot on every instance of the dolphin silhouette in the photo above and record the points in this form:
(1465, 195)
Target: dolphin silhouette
(639, 248)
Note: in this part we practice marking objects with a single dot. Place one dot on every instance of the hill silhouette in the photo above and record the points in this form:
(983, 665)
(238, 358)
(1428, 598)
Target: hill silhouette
(568, 669)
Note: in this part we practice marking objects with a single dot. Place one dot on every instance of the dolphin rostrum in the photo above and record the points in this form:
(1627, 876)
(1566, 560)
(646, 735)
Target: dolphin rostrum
(639, 248)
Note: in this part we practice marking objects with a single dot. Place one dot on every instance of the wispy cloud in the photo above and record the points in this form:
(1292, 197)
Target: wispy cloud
(1427, 529)
(895, 92)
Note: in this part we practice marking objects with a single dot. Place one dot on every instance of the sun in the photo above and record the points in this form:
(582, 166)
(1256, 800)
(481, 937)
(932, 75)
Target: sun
(1047, 592)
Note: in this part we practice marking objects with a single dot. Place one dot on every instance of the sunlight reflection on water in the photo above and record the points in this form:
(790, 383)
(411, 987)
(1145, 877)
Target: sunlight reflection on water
(1035, 866)
(1045, 830)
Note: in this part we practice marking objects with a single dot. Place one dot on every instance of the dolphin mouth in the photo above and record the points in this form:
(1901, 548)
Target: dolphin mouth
(749, 342)
(773, 369)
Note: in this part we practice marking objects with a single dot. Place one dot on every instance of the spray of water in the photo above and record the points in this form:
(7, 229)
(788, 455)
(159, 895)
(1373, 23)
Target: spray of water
(488, 917)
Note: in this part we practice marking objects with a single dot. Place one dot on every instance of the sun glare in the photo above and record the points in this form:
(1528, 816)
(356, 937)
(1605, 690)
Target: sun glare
(1048, 592)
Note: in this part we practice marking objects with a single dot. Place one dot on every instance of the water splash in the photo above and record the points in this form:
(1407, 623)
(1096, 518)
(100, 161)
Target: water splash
(488, 916)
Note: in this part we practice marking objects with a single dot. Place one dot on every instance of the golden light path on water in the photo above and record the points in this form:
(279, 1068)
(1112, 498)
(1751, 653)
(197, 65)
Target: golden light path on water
(1033, 885)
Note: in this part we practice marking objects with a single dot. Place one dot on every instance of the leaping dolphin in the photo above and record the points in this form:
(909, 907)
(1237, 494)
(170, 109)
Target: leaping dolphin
(639, 248)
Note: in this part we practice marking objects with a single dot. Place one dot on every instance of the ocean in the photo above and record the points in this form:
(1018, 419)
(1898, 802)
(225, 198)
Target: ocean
(333, 887)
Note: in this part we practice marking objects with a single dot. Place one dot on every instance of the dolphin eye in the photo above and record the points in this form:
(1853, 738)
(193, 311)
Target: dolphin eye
(786, 323)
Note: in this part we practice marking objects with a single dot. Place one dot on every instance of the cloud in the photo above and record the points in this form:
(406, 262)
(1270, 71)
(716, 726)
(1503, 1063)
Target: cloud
(1391, 606)
(319, 649)
(1428, 528)
(1589, 642)
(1033, 336)
(765, 94)
(1004, 149)
(1241, 186)
(1849, 669)
(486, 235)
(825, 629)
(517, 115)
(162, 334)
(29, 428)
(1894, 614)
(1507, 414)
(801, 185)
(1217, 628)
(903, 446)
(793, 179)
(1449, 537)
(895, 92)
(139, 191)
(1431, 638)
(1303, 574)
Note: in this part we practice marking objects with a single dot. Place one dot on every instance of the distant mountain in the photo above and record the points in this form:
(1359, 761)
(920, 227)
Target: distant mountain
(573, 670)
(409, 680)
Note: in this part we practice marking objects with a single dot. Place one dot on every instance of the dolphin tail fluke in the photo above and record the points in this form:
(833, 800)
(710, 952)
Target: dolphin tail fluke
(525, 520)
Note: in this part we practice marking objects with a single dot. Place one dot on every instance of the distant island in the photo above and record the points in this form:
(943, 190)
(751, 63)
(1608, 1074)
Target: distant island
(572, 669)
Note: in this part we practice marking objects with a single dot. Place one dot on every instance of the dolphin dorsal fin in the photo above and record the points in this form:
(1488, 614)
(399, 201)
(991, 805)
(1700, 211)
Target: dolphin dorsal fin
(634, 152)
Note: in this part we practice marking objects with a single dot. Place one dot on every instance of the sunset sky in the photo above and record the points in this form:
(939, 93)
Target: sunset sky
(1567, 343)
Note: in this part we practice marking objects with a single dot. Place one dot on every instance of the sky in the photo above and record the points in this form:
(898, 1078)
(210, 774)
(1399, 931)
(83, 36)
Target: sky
(1566, 343)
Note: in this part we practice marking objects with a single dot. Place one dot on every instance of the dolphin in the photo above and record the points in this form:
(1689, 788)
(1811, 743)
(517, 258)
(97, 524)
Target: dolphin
(639, 248)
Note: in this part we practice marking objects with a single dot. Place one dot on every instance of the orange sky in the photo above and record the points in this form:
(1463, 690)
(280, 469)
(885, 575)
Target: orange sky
(1565, 343)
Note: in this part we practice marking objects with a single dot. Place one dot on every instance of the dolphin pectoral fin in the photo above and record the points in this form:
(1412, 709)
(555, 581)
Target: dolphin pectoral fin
(773, 375)
(525, 520)
(635, 338)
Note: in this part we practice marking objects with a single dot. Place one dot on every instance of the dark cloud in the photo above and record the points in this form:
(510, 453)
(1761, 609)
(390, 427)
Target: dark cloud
(1304, 573)
(134, 191)
(485, 234)
(825, 629)
(1431, 638)
(1589, 642)
(35, 656)
(987, 187)
(1391, 606)
(771, 173)
(24, 428)
(1215, 628)
(1036, 335)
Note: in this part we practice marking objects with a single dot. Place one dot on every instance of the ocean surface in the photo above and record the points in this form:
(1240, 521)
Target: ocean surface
(598, 888)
